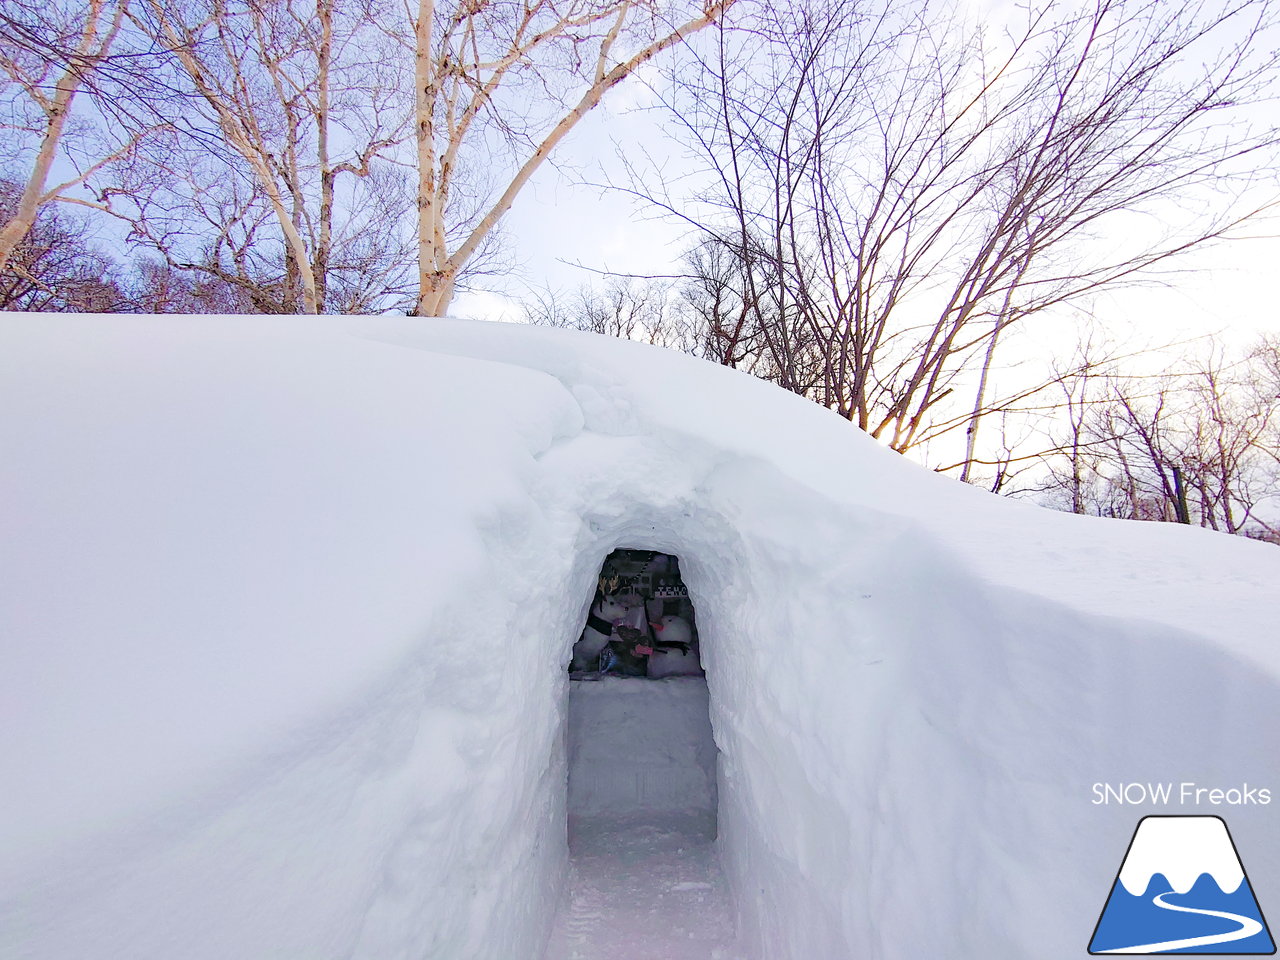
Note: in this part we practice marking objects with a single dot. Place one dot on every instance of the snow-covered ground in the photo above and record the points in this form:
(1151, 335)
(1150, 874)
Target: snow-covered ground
(644, 888)
(287, 602)
(645, 882)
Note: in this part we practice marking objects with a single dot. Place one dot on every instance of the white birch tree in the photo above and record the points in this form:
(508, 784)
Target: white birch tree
(48, 53)
(498, 85)
(305, 96)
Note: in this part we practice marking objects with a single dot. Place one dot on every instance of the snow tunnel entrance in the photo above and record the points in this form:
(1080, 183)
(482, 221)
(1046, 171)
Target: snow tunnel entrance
(642, 775)
(641, 622)
(639, 738)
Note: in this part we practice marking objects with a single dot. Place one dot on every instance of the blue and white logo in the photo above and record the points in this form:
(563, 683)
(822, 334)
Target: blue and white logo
(1182, 889)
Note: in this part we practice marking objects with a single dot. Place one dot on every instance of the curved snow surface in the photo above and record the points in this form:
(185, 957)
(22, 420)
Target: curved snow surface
(287, 602)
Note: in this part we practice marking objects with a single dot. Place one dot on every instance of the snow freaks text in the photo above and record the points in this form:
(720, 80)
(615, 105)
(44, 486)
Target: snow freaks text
(1184, 793)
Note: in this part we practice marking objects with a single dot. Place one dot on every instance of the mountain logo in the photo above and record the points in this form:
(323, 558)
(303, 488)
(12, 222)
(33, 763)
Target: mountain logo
(1182, 889)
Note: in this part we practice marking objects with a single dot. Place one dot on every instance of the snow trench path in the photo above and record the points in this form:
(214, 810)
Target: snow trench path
(644, 888)
(644, 873)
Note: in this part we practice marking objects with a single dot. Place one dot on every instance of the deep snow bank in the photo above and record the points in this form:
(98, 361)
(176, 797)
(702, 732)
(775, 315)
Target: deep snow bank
(287, 603)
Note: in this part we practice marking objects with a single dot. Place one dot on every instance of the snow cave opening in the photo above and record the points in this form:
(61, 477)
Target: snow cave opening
(640, 744)
(641, 621)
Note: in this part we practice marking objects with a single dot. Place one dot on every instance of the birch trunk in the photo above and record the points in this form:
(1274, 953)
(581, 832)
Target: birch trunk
(980, 398)
(429, 213)
(240, 133)
(324, 14)
(56, 109)
(437, 268)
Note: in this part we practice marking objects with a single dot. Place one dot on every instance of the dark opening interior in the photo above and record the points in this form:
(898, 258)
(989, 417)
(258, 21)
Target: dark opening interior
(641, 623)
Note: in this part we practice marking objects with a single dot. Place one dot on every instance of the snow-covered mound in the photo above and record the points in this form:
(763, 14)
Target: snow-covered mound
(287, 605)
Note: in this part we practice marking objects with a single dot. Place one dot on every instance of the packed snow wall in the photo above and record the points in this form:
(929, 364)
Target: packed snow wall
(640, 749)
(290, 602)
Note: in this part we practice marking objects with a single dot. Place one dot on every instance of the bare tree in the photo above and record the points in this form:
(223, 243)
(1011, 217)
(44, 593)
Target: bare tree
(277, 129)
(306, 99)
(49, 54)
(158, 288)
(521, 76)
(647, 310)
(720, 318)
(1191, 444)
(901, 191)
(54, 268)
(207, 215)
(1229, 469)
